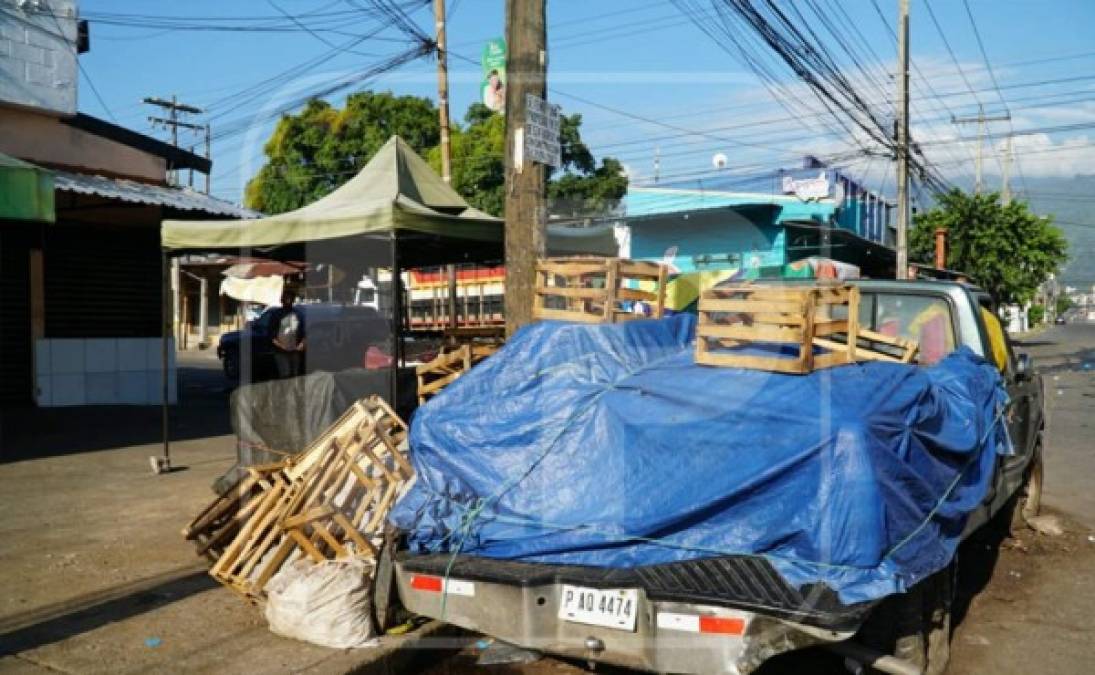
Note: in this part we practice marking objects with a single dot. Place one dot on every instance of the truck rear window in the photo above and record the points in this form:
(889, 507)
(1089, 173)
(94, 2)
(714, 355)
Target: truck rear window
(926, 320)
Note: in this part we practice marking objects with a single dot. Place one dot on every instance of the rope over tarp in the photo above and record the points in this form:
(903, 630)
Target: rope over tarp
(608, 446)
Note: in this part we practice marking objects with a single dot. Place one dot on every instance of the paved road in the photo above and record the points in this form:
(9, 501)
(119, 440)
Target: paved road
(1066, 357)
(1024, 606)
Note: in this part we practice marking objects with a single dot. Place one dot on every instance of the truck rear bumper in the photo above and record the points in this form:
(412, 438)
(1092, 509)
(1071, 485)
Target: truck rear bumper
(669, 635)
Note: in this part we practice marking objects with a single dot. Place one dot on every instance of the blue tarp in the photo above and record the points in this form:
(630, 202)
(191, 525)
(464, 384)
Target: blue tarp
(606, 445)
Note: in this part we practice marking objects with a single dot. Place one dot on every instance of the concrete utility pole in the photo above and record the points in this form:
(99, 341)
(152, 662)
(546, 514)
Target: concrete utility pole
(980, 119)
(446, 145)
(172, 121)
(903, 140)
(526, 215)
(443, 90)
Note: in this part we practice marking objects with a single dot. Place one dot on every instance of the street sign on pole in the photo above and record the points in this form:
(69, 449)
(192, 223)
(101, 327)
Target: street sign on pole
(541, 134)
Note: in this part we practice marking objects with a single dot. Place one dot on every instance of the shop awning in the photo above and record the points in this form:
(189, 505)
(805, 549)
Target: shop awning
(26, 191)
(133, 192)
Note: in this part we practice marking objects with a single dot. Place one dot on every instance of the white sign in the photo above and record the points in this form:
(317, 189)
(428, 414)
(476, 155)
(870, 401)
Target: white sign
(807, 188)
(542, 131)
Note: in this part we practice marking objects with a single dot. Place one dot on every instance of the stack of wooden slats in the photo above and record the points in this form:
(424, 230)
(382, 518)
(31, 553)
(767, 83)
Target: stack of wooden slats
(449, 365)
(597, 290)
(789, 329)
(328, 502)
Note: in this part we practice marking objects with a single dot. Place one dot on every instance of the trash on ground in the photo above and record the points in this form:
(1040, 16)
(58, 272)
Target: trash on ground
(152, 642)
(499, 653)
(1048, 525)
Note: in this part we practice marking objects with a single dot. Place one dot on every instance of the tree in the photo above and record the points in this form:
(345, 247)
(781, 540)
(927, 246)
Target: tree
(1036, 315)
(318, 149)
(1064, 303)
(313, 152)
(579, 187)
(478, 152)
(1006, 249)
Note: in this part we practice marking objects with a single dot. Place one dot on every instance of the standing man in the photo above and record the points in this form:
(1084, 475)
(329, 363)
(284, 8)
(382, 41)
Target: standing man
(289, 338)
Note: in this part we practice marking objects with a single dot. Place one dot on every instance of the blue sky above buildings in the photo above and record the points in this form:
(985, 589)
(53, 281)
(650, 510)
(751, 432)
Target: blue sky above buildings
(641, 57)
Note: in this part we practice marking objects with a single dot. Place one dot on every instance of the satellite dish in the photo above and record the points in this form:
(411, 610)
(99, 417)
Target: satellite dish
(719, 160)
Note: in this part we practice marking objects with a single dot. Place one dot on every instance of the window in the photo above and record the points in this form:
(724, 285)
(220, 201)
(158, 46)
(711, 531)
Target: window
(926, 320)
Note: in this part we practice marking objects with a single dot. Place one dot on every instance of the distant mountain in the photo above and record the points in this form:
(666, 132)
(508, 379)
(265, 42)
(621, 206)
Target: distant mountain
(1071, 202)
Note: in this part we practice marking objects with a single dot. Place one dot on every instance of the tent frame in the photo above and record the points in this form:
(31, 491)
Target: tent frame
(460, 251)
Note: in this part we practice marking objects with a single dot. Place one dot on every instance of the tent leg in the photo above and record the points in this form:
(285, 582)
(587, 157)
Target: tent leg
(163, 464)
(397, 325)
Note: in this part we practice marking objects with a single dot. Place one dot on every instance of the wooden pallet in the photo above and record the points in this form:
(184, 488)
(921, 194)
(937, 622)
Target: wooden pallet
(448, 366)
(349, 489)
(329, 501)
(260, 547)
(782, 320)
(791, 324)
(219, 523)
(594, 290)
(874, 346)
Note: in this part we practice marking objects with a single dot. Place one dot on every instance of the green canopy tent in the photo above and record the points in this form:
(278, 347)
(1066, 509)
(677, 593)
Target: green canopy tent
(26, 191)
(396, 213)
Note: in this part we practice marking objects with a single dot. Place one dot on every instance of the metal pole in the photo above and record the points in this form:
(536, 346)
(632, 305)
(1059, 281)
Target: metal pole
(397, 325)
(1005, 190)
(979, 183)
(208, 155)
(203, 311)
(164, 463)
(903, 140)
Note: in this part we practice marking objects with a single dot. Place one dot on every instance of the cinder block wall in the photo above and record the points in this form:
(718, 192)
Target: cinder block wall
(38, 54)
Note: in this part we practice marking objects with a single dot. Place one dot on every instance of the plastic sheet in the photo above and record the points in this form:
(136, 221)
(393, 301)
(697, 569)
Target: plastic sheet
(605, 445)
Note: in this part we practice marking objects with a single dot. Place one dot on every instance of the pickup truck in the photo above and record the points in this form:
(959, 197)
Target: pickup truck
(338, 337)
(729, 613)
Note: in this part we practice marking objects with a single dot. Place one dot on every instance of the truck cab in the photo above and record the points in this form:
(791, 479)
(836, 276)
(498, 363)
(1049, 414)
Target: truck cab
(731, 613)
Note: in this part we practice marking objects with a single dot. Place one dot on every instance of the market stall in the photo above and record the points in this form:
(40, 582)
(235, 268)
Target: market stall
(395, 214)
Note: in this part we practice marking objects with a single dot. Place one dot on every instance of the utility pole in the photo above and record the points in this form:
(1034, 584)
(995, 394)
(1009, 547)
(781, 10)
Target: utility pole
(443, 90)
(903, 140)
(208, 155)
(526, 216)
(980, 119)
(1005, 190)
(446, 145)
(172, 121)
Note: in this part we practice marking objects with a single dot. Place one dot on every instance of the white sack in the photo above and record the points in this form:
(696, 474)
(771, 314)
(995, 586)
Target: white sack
(326, 604)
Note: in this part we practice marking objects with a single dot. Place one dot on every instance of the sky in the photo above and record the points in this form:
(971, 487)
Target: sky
(647, 80)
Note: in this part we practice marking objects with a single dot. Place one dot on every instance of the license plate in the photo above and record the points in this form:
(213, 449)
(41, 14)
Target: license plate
(612, 608)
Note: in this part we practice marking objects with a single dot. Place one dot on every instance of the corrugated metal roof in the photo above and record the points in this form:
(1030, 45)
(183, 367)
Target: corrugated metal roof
(131, 191)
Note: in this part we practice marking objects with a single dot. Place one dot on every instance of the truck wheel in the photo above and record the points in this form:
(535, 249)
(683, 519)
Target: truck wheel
(916, 626)
(1028, 500)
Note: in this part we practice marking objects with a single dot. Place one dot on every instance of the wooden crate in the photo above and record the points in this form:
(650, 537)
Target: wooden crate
(792, 323)
(593, 290)
(784, 320)
(449, 365)
(329, 500)
(260, 547)
(345, 497)
(874, 346)
(219, 523)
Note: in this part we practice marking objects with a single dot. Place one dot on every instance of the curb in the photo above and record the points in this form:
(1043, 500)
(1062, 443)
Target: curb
(429, 644)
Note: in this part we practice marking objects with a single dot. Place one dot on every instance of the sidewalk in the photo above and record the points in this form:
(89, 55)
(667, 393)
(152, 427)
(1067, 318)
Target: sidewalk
(94, 575)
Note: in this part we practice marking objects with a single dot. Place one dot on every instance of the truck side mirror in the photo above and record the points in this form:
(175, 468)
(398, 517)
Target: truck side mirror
(1024, 367)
